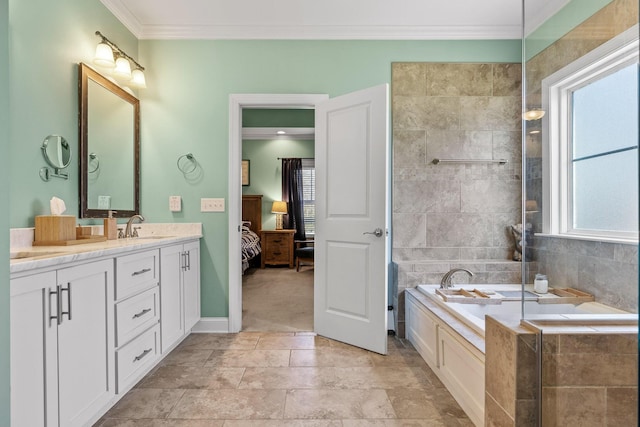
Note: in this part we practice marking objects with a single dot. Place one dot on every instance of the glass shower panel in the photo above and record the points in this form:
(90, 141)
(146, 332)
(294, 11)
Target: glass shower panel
(556, 34)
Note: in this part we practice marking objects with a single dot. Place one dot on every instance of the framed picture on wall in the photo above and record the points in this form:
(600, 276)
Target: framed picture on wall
(245, 172)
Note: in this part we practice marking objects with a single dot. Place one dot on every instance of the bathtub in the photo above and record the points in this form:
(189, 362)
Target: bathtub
(473, 314)
(450, 336)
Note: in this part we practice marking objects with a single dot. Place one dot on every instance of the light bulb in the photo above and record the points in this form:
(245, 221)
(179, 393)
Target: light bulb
(104, 56)
(137, 79)
(123, 68)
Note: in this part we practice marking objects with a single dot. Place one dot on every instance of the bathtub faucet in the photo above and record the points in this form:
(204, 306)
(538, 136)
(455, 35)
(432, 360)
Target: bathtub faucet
(445, 283)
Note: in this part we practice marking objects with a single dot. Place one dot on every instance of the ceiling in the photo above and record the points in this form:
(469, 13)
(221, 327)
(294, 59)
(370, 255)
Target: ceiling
(323, 19)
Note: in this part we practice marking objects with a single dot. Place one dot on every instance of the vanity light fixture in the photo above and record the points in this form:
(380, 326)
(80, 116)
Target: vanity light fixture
(533, 114)
(281, 132)
(105, 53)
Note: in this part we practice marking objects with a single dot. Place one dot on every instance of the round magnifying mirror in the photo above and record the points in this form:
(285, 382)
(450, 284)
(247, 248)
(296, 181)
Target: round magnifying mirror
(56, 151)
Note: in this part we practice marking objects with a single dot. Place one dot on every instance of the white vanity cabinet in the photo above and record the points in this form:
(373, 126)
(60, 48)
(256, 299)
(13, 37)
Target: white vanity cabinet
(458, 364)
(179, 291)
(137, 315)
(62, 342)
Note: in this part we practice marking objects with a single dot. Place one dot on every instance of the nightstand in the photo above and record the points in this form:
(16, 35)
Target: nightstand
(277, 247)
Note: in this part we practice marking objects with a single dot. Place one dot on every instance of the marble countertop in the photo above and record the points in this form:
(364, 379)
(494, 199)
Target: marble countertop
(39, 257)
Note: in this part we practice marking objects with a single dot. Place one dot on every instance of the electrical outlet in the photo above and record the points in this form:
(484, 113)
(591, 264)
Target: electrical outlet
(211, 205)
(175, 203)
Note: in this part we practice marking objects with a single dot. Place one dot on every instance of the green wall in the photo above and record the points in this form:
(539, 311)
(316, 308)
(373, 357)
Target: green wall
(565, 20)
(47, 40)
(185, 109)
(4, 215)
(263, 117)
(265, 173)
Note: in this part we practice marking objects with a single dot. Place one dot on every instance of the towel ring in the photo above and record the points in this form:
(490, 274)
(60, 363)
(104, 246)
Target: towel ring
(184, 166)
(94, 156)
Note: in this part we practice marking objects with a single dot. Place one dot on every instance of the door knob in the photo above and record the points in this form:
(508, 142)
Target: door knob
(377, 232)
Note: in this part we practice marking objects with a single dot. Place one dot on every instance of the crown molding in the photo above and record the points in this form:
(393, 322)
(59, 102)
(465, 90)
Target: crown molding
(327, 32)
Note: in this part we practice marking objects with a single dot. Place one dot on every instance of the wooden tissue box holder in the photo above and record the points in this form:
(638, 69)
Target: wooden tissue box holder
(55, 228)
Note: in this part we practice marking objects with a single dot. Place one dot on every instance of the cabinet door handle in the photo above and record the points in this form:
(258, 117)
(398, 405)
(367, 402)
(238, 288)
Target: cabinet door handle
(137, 273)
(142, 313)
(68, 312)
(276, 240)
(142, 355)
(57, 317)
(183, 261)
(188, 260)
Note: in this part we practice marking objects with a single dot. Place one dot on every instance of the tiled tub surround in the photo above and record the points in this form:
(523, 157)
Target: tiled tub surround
(607, 270)
(497, 352)
(589, 375)
(454, 214)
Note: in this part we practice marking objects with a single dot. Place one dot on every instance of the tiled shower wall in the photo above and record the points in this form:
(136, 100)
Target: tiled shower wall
(455, 215)
(609, 271)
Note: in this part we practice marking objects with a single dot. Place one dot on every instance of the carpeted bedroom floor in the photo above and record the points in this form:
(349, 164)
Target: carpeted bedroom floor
(277, 299)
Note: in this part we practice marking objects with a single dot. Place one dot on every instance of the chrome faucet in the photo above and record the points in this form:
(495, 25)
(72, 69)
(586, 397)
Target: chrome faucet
(445, 283)
(127, 231)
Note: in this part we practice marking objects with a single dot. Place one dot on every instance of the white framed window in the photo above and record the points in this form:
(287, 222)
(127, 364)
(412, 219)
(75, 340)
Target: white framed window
(309, 195)
(590, 144)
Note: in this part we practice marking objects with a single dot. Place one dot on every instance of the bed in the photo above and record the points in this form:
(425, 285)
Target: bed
(251, 226)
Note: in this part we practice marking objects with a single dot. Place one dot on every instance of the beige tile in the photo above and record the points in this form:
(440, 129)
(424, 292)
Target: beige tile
(160, 423)
(300, 342)
(393, 423)
(459, 79)
(584, 407)
(599, 343)
(282, 378)
(500, 365)
(495, 415)
(190, 377)
(337, 404)
(332, 356)
(145, 403)
(283, 423)
(622, 406)
(409, 78)
(221, 341)
(507, 79)
(187, 356)
(413, 404)
(490, 113)
(405, 358)
(230, 404)
(590, 370)
(249, 358)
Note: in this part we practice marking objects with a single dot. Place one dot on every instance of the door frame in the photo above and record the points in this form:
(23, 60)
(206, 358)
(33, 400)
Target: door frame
(236, 103)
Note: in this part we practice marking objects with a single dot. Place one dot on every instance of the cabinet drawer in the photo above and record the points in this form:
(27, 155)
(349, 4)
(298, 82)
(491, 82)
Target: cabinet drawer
(136, 314)
(136, 272)
(135, 358)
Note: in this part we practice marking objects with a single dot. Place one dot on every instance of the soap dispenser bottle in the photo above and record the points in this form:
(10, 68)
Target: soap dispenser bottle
(111, 226)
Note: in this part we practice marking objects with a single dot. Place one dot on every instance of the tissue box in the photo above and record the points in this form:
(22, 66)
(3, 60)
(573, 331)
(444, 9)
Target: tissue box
(55, 228)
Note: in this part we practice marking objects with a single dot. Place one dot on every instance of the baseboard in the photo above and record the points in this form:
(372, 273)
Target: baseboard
(211, 325)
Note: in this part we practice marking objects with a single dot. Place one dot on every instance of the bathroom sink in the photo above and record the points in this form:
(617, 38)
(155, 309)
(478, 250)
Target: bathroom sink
(32, 254)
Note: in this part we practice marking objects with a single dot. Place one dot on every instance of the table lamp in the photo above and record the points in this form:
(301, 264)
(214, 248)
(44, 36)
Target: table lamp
(279, 208)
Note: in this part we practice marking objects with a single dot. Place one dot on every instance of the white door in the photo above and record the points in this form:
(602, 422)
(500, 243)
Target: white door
(350, 289)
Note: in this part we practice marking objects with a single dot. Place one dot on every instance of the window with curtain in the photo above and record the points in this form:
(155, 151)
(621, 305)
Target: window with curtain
(309, 195)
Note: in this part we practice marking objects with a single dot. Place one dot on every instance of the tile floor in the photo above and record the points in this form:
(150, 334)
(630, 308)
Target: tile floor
(286, 379)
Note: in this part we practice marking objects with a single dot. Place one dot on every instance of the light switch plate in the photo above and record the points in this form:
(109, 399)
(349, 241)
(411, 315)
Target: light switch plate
(175, 203)
(211, 205)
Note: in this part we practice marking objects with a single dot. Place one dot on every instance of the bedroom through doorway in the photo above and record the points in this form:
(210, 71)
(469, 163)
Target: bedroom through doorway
(278, 175)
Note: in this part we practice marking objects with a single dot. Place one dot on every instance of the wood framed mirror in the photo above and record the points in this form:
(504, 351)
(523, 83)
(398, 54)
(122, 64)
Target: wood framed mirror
(109, 153)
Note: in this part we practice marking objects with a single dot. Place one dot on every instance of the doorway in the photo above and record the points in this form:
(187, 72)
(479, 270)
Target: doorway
(236, 104)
